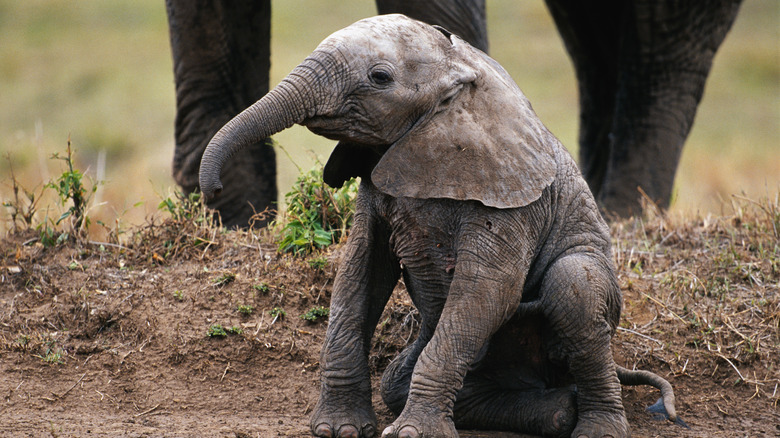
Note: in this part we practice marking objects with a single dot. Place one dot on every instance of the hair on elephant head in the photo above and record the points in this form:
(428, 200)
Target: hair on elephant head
(469, 197)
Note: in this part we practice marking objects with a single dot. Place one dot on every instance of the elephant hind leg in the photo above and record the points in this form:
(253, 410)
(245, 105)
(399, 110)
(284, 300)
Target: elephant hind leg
(398, 376)
(488, 406)
(581, 302)
(485, 403)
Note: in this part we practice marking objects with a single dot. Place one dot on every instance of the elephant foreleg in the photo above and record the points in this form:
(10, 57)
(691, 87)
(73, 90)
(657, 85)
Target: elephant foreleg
(363, 285)
(456, 345)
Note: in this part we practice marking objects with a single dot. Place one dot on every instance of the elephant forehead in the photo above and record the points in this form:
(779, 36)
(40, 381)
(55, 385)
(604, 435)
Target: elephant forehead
(393, 37)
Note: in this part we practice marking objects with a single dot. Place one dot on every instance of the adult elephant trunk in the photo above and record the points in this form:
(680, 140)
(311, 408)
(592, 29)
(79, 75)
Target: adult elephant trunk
(299, 96)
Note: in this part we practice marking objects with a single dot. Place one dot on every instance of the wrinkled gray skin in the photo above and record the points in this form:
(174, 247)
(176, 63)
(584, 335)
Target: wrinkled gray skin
(468, 197)
(641, 66)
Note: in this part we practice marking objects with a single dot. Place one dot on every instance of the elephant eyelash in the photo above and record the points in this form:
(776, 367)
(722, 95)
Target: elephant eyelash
(381, 77)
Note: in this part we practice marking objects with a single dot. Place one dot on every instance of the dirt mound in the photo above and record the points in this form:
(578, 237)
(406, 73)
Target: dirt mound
(113, 340)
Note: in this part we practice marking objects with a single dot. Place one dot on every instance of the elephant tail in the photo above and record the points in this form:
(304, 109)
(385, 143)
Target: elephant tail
(664, 405)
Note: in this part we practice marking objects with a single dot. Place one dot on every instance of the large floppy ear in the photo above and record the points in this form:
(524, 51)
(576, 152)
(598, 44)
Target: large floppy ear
(484, 144)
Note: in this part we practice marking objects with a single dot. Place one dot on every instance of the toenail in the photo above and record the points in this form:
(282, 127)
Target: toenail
(323, 430)
(369, 430)
(388, 430)
(408, 432)
(348, 431)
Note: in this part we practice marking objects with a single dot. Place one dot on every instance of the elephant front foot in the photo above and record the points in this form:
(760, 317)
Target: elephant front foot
(343, 417)
(421, 426)
(601, 425)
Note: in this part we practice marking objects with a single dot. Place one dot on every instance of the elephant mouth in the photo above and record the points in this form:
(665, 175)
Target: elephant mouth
(326, 127)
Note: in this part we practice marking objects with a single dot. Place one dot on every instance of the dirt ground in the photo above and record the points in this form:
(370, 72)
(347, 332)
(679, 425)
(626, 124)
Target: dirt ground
(101, 340)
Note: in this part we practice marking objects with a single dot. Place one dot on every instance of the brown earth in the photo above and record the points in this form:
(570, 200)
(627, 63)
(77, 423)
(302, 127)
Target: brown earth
(113, 341)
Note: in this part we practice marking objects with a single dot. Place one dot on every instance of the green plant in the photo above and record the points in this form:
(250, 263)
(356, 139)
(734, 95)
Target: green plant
(51, 354)
(184, 207)
(318, 263)
(245, 309)
(224, 279)
(277, 313)
(179, 295)
(216, 331)
(70, 187)
(22, 208)
(316, 215)
(49, 236)
(262, 287)
(316, 313)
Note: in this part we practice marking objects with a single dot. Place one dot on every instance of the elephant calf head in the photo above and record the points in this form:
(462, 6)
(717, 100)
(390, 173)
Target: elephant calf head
(413, 98)
(469, 197)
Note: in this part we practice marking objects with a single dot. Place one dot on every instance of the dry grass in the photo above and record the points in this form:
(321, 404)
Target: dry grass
(703, 293)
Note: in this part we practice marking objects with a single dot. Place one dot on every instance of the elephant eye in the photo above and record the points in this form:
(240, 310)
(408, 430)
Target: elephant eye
(381, 77)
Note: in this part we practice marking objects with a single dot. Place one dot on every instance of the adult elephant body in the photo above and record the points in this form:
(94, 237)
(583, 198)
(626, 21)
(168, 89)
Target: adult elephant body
(641, 67)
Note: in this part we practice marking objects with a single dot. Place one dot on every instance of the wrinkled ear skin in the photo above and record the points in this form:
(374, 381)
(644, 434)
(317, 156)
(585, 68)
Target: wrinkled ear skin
(486, 145)
(349, 160)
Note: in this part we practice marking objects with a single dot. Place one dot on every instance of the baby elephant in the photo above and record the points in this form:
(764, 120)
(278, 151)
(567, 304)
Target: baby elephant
(468, 197)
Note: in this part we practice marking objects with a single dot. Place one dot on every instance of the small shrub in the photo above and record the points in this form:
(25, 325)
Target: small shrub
(52, 354)
(70, 188)
(49, 236)
(316, 215)
(315, 313)
(183, 208)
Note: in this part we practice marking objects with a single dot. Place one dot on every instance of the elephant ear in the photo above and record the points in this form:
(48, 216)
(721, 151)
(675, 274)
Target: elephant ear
(484, 144)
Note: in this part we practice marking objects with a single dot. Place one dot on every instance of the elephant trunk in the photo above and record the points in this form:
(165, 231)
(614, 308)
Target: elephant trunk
(296, 98)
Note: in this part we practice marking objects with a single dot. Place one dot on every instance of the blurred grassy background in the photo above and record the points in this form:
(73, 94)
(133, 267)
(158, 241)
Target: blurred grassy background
(100, 72)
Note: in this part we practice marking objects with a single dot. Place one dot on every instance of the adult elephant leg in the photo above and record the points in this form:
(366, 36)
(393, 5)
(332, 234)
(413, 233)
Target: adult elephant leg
(591, 34)
(465, 18)
(666, 54)
(581, 302)
(221, 61)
